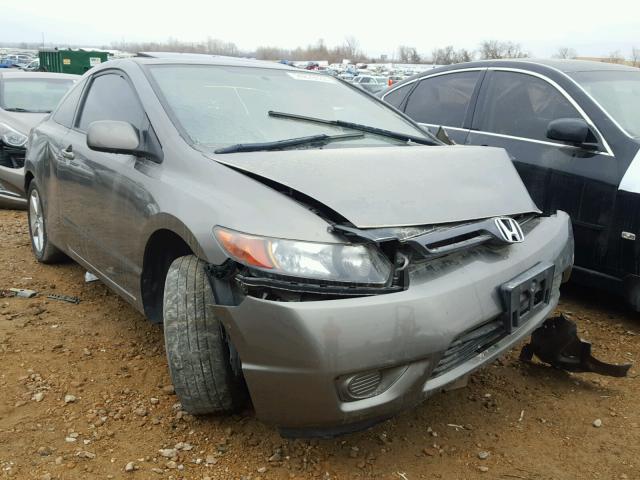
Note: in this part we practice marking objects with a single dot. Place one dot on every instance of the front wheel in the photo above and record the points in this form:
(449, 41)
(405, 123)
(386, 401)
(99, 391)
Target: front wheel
(43, 250)
(198, 351)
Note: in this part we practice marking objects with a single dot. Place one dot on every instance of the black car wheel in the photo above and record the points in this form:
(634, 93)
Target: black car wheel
(43, 249)
(197, 347)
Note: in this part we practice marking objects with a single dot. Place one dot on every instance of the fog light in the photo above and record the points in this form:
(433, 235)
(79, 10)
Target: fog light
(364, 385)
(361, 385)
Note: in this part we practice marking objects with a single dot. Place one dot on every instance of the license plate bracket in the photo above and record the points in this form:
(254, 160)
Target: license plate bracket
(526, 294)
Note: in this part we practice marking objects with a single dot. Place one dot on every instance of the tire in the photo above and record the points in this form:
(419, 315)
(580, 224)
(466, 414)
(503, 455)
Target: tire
(43, 249)
(197, 349)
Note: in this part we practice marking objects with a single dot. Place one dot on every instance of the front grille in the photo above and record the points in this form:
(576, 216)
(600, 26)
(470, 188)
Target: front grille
(11, 157)
(469, 344)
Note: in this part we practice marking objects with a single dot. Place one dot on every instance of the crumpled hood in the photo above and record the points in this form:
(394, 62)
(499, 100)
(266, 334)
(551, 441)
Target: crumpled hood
(21, 121)
(396, 186)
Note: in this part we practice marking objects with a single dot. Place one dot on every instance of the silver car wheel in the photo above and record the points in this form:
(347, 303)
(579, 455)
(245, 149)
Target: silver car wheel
(36, 220)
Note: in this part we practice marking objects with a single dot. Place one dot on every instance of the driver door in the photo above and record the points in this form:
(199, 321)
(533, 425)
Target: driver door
(104, 201)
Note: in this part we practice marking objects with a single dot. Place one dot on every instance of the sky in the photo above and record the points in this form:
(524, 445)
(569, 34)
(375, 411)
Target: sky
(540, 26)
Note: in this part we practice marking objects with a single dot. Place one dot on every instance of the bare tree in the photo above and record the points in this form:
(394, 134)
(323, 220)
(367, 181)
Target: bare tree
(351, 46)
(494, 49)
(211, 46)
(635, 56)
(615, 57)
(448, 55)
(408, 54)
(565, 52)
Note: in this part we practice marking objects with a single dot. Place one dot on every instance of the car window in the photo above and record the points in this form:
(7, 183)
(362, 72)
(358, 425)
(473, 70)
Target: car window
(522, 105)
(67, 108)
(442, 100)
(110, 97)
(618, 92)
(396, 97)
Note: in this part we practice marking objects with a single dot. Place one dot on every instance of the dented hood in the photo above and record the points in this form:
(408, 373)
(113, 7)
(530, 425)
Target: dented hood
(396, 186)
(23, 122)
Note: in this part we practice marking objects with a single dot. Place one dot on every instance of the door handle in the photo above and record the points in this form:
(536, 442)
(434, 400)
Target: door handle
(68, 153)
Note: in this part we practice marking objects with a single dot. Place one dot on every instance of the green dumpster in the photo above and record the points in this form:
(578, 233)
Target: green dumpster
(70, 61)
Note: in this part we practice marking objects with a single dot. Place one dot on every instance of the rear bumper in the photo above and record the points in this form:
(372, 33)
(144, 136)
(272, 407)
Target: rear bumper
(293, 354)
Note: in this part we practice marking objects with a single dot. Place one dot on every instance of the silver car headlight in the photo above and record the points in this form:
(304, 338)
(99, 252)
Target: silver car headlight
(11, 136)
(336, 262)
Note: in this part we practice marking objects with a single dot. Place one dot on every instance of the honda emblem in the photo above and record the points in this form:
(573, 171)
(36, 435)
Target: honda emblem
(509, 229)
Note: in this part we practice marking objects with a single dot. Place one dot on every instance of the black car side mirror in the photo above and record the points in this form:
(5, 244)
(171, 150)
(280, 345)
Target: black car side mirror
(574, 131)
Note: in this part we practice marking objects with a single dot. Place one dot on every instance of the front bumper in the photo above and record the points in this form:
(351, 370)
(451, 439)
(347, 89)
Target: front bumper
(12, 196)
(293, 353)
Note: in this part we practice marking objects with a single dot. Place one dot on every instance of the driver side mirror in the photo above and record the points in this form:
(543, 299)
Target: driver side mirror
(574, 131)
(121, 137)
(113, 137)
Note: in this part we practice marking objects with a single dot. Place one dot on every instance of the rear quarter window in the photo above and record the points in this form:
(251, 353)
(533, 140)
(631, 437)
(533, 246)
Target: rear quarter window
(397, 96)
(442, 100)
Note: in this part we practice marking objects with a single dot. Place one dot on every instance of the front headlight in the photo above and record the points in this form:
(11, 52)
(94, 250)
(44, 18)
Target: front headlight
(335, 262)
(12, 137)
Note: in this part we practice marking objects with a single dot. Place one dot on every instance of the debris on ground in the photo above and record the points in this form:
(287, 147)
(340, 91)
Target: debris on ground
(90, 277)
(18, 292)
(64, 298)
(557, 343)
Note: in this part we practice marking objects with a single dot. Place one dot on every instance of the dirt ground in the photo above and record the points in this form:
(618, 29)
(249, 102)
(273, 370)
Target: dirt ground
(85, 393)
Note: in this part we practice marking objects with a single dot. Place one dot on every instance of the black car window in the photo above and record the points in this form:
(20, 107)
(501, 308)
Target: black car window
(110, 97)
(396, 97)
(442, 100)
(522, 105)
(67, 108)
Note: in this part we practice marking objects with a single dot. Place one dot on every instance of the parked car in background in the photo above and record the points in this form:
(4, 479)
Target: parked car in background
(282, 226)
(8, 63)
(25, 99)
(572, 129)
(370, 83)
(32, 66)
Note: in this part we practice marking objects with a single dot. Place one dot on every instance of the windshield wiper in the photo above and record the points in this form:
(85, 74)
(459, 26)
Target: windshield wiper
(363, 128)
(24, 110)
(321, 139)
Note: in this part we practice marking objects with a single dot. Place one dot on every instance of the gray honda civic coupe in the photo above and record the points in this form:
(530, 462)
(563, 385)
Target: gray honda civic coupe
(304, 245)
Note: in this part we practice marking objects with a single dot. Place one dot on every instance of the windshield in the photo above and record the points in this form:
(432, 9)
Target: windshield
(619, 94)
(32, 94)
(218, 106)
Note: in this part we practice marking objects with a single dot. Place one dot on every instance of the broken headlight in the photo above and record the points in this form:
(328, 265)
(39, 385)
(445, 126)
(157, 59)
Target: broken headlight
(12, 137)
(333, 262)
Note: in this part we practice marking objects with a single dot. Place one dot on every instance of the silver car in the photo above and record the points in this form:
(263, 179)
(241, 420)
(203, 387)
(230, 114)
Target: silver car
(25, 99)
(303, 243)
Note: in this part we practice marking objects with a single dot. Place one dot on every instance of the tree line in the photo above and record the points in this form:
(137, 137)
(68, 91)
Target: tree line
(350, 49)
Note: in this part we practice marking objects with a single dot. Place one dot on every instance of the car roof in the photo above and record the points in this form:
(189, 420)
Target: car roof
(159, 58)
(574, 65)
(22, 74)
(566, 66)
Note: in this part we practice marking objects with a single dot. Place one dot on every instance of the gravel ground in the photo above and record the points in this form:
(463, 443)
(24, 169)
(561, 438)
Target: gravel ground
(85, 393)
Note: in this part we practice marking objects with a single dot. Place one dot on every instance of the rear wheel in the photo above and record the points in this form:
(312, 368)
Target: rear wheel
(198, 352)
(43, 250)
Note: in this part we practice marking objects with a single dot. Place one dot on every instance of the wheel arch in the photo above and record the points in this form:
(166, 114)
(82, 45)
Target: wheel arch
(167, 238)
